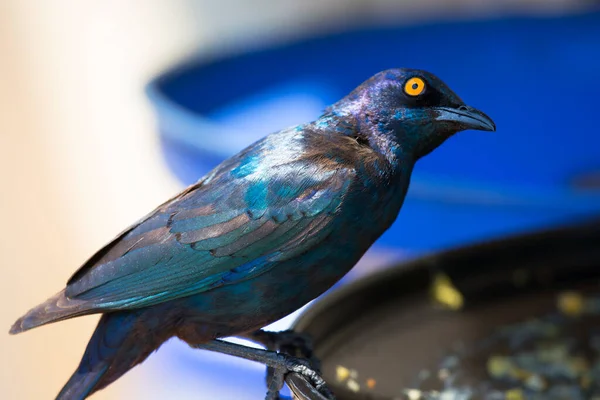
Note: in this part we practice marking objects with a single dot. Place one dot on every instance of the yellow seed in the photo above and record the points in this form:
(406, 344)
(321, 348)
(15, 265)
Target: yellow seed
(571, 303)
(342, 373)
(371, 383)
(353, 385)
(413, 394)
(499, 366)
(514, 394)
(444, 293)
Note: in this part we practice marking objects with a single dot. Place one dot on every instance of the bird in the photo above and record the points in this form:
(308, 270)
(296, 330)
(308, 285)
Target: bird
(261, 235)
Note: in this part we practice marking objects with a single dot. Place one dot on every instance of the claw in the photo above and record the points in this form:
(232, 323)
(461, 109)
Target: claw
(302, 368)
(304, 390)
(297, 357)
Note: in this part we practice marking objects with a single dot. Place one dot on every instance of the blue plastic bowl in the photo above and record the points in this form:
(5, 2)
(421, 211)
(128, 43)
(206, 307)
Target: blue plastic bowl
(539, 79)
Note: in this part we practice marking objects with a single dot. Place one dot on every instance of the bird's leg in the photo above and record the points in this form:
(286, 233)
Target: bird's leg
(274, 382)
(288, 342)
(280, 362)
(275, 379)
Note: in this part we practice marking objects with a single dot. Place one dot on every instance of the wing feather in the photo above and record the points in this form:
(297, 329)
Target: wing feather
(222, 230)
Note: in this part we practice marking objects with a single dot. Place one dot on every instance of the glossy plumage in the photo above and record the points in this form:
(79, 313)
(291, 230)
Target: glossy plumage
(262, 234)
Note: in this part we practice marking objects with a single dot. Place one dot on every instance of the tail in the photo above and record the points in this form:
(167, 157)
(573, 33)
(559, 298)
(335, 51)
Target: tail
(121, 341)
(57, 308)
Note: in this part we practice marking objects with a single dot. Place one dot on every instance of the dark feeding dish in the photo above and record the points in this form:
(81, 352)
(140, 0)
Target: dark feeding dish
(512, 319)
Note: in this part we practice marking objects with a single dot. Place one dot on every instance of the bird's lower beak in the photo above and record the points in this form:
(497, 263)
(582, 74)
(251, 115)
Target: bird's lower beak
(466, 118)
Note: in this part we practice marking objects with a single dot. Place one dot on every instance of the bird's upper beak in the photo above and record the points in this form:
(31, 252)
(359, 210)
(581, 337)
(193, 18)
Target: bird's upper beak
(466, 117)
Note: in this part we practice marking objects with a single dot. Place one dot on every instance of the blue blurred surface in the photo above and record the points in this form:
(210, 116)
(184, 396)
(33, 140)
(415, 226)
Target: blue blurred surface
(538, 78)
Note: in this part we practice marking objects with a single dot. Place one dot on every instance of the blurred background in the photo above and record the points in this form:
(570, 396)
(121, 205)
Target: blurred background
(109, 107)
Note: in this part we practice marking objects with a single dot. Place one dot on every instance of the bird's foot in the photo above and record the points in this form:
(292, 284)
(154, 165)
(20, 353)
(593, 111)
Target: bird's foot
(300, 347)
(303, 368)
(282, 366)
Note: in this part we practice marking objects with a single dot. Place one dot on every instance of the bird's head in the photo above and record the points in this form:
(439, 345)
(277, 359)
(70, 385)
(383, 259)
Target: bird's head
(414, 107)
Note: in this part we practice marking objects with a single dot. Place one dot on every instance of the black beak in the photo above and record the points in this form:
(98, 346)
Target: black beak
(466, 118)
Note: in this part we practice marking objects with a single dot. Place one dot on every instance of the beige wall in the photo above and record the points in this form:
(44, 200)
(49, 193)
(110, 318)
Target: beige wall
(78, 159)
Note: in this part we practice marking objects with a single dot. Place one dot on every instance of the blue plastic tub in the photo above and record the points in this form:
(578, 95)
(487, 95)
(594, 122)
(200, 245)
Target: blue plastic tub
(539, 79)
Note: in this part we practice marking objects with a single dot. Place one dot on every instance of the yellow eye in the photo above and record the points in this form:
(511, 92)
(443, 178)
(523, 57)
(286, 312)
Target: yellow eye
(414, 86)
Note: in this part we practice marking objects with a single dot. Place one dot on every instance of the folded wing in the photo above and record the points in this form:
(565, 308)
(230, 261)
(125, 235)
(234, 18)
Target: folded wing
(234, 225)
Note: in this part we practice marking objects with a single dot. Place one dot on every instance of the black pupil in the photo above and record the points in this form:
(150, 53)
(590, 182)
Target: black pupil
(415, 86)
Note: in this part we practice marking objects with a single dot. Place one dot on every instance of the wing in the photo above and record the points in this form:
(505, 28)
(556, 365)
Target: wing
(237, 223)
